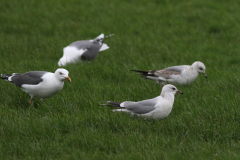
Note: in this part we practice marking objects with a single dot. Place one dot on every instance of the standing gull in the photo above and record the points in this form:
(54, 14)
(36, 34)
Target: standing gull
(156, 108)
(179, 75)
(40, 84)
(83, 50)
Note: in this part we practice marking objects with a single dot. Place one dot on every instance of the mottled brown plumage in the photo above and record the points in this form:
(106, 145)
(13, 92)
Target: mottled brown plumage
(165, 73)
(179, 75)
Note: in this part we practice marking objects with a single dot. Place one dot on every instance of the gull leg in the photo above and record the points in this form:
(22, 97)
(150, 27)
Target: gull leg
(31, 101)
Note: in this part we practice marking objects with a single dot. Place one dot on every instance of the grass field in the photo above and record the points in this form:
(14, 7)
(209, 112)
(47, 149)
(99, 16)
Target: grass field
(204, 122)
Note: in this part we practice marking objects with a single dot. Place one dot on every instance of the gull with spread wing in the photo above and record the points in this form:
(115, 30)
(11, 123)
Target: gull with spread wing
(83, 50)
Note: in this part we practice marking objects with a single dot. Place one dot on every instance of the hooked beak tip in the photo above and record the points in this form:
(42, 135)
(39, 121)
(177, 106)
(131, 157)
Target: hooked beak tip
(180, 92)
(205, 75)
(68, 79)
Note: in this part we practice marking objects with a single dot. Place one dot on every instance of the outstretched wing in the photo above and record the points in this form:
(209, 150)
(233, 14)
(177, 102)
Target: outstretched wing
(81, 44)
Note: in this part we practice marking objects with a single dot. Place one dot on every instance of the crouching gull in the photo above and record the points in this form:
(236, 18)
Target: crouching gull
(83, 50)
(40, 84)
(156, 108)
(179, 75)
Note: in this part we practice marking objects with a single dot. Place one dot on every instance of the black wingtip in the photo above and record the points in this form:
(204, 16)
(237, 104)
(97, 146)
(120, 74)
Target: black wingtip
(109, 36)
(102, 39)
(142, 72)
(111, 104)
(5, 76)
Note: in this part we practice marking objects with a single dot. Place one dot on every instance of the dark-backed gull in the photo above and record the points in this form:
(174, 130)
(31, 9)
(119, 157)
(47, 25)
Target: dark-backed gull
(40, 84)
(83, 50)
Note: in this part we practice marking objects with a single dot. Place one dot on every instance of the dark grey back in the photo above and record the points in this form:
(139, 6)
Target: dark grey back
(92, 52)
(92, 49)
(81, 44)
(33, 77)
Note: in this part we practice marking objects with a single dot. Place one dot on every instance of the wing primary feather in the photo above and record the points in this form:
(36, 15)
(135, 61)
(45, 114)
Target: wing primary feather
(5, 76)
(101, 39)
(112, 104)
(144, 73)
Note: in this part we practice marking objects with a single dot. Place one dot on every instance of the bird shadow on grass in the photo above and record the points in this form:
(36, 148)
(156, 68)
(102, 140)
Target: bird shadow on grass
(144, 120)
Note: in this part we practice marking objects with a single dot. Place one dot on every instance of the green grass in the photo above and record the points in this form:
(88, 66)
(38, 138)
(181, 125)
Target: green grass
(205, 121)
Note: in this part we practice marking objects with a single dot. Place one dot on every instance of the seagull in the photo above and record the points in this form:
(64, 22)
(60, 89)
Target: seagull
(83, 50)
(178, 75)
(156, 108)
(40, 84)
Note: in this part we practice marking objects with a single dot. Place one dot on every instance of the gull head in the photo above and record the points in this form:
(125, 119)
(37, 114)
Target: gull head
(169, 88)
(62, 74)
(199, 67)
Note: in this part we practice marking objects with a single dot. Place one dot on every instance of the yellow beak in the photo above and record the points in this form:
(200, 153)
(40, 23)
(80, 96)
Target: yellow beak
(68, 79)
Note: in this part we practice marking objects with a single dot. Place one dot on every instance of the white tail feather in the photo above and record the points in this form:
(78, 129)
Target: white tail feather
(104, 47)
(121, 110)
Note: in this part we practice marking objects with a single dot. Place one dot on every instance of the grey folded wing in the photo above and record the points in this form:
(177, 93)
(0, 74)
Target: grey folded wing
(92, 49)
(141, 107)
(177, 68)
(81, 44)
(91, 52)
(167, 72)
(33, 77)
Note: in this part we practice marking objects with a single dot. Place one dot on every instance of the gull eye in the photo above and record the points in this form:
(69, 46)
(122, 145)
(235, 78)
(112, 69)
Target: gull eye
(173, 88)
(60, 73)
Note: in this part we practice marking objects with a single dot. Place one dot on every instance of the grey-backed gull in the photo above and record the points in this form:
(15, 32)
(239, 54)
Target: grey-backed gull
(156, 108)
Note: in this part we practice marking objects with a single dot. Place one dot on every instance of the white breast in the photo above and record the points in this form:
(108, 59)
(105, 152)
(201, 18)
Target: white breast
(45, 89)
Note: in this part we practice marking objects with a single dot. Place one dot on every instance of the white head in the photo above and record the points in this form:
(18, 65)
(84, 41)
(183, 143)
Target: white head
(169, 88)
(62, 74)
(199, 67)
